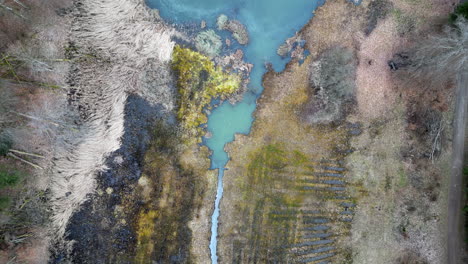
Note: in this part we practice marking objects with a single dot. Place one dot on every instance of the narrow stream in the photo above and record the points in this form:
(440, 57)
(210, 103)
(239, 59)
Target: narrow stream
(270, 23)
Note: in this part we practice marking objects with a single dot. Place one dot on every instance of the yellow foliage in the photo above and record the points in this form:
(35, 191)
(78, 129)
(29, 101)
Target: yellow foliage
(146, 228)
(198, 82)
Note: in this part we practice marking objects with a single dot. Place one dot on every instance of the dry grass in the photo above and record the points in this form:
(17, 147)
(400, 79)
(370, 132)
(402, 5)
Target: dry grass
(388, 227)
(126, 38)
(380, 163)
(334, 23)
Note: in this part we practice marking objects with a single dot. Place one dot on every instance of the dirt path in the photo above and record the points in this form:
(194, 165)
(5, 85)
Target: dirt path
(456, 176)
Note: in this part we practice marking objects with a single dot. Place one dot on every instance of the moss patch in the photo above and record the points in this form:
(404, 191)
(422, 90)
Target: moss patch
(460, 11)
(198, 82)
(146, 228)
(9, 177)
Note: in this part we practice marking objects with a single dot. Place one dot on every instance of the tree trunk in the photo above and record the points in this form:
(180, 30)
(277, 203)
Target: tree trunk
(25, 161)
(26, 153)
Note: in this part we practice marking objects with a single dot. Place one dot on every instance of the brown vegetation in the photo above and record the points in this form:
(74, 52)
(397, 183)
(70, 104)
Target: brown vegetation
(333, 86)
(407, 110)
(31, 71)
(172, 192)
(397, 176)
(285, 185)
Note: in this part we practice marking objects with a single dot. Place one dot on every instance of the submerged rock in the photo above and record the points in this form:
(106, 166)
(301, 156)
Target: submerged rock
(222, 21)
(235, 62)
(208, 43)
(238, 30)
(285, 48)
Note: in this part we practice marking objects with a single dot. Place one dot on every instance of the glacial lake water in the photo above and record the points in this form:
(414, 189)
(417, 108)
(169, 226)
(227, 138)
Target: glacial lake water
(269, 23)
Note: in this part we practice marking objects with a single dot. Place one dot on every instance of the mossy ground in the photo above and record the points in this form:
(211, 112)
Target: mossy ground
(199, 81)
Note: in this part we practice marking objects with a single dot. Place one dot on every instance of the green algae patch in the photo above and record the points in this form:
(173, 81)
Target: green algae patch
(198, 82)
(209, 43)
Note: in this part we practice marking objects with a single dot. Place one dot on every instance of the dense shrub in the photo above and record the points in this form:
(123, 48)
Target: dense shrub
(337, 71)
(438, 59)
(5, 143)
(8, 177)
(333, 84)
(460, 11)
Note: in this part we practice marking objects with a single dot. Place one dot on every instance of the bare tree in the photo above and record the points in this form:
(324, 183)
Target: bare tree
(441, 57)
(6, 144)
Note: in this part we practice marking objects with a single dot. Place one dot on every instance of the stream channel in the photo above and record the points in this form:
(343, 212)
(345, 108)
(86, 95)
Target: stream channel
(269, 23)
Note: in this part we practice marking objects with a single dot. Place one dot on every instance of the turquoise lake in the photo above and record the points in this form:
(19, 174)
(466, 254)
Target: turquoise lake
(269, 23)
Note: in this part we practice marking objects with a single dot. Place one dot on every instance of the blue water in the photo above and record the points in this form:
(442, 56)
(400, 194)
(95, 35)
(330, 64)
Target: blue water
(270, 23)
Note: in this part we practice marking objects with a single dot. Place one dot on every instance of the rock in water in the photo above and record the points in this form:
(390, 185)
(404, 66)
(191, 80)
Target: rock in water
(238, 30)
(221, 22)
(283, 50)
